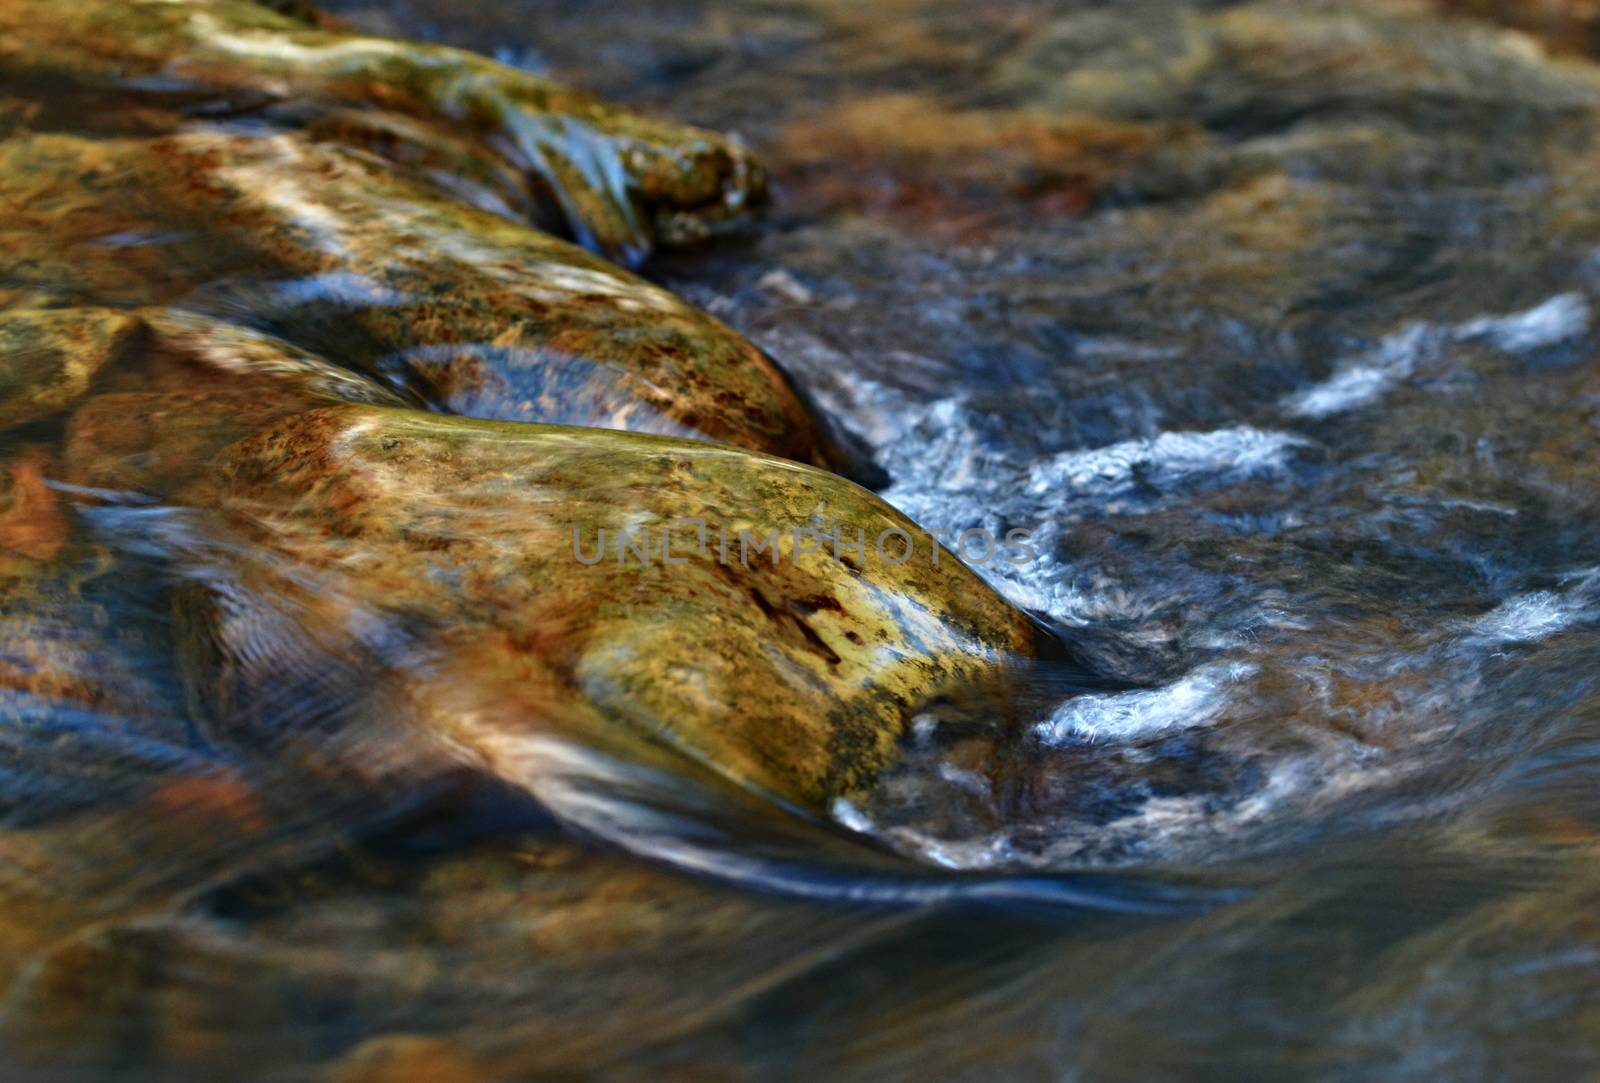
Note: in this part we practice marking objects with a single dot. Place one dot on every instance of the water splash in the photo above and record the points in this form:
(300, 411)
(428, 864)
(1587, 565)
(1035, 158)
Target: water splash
(1200, 698)
(1397, 357)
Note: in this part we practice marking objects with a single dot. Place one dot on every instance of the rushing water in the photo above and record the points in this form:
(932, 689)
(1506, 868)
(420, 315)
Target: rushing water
(1273, 325)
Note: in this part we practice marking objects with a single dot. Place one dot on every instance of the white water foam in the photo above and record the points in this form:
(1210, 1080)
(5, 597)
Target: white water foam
(1199, 698)
(1366, 378)
(1220, 457)
(1536, 615)
(950, 479)
(1370, 376)
(1560, 319)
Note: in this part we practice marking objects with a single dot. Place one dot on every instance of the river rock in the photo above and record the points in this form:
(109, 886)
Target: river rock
(192, 386)
(338, 255)
(59, 649)
(48, 357)
(795, 671)
(483, 963)
(953, 167)
(522, 145)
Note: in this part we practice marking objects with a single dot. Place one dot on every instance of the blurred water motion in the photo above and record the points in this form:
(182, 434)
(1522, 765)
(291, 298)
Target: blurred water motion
(1273, 323)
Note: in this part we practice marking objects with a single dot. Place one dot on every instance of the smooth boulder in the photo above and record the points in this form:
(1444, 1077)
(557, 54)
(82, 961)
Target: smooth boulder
(460, 566)
(506, 139)
(336, 254)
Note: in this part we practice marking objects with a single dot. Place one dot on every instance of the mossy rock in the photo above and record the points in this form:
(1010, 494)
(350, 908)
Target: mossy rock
(456, 558)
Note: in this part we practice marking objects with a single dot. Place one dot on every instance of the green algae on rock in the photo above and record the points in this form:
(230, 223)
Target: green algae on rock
(794, 671)
(616, 181)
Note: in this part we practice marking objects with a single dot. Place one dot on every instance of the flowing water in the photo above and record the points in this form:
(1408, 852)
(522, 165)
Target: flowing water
(1273, 325)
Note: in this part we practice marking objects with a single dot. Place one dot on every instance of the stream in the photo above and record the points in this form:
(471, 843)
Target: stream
(1264, 334)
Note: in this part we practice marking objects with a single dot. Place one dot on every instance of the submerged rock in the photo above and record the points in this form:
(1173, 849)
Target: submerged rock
(52, 355)
(476, 964)
(61, 651)
(512, 582)
(190, 387)
(87, 729)
(955, 166)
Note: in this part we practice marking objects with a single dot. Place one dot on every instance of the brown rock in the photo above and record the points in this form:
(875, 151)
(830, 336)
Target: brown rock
(33, 524)
(950, 166)
(195, 385)
(795, 675)
(48, 357)
(334, 252)
(617, 181)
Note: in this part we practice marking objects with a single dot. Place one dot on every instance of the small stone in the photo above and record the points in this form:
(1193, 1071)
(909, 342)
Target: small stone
(48, 357)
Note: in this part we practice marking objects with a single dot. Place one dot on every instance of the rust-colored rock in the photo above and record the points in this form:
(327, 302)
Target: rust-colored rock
(950, 167)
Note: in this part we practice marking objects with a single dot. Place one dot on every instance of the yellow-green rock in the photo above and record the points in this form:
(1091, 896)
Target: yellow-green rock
(48, 357)
(335, 253)
(458, 559)
(617, 181)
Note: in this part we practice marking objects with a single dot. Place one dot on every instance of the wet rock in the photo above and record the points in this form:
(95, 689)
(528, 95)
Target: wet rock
(399, 1058)
(616, 181)
(1140, 60)
(34, 524)
(478, 964)
(191, 387)
(1565, 25)
(88, 728)
(48, 357)
(794, 672)
(944, 164)
(57, 646)
(1304, 630)
(337, 255)
(114, 855)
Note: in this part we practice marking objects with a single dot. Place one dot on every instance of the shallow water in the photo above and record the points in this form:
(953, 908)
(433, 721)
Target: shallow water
(1274, 325)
